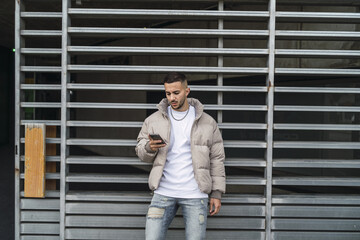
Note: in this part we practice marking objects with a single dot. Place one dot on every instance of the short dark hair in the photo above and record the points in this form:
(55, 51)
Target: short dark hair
(175, 77)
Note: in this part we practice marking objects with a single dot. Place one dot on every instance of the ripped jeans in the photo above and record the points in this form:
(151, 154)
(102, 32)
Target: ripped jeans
(162, 211)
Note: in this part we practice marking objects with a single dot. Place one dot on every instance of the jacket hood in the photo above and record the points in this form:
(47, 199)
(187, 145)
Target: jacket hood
(199, 108)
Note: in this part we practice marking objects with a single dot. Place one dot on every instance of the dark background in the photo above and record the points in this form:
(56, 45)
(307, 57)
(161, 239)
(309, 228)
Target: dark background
(7, 119)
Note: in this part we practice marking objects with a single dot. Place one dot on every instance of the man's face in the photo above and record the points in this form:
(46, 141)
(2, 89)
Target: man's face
(177, 93)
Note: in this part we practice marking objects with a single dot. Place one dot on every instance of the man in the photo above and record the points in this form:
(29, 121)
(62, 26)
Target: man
(187, 166)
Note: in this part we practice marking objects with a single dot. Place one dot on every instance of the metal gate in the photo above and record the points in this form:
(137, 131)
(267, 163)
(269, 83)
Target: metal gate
(279, 76)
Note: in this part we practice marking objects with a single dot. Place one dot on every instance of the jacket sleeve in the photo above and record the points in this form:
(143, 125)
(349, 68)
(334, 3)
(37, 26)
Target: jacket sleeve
(217, 169)
(142, 148)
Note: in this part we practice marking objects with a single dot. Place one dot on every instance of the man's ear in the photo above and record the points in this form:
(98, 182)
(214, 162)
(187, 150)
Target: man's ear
(187, 91)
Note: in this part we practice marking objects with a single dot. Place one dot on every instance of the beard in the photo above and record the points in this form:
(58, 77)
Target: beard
(181, 103)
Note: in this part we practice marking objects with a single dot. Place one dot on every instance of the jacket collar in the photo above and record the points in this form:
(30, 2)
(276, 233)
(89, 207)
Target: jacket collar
(199, 108)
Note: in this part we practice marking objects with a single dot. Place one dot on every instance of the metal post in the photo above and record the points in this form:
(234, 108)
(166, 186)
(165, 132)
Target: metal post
(18, 79)
(270, 115)
(65, 60)
(220, 62)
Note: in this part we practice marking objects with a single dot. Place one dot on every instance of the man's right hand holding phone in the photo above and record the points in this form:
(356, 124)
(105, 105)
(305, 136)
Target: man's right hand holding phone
(156, 144)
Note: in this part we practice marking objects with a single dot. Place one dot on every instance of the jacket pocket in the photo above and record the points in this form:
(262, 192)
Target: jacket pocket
(204, 180)
(201, 157)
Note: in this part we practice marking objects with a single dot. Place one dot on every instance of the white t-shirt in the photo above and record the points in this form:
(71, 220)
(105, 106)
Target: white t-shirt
(178, 179)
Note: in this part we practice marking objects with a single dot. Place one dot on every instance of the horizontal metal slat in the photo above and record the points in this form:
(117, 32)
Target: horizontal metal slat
(296, 235)
(52, 176)
(40, 87)
(321, 17)
(295, 108)
(162, 69)
(244, 144)
(316, 163)
(139, 124)
(243, 199)
(106, 208)
(39, 204)
(105, 160)
(342, 127)
(141, 209)
(317, 145)
(317, 181)
(317, 90)
(167, 51)
(146, 197)
(47, 140)
(48, 194)
(109, 196)
(161, 32)
(154, 106)
(104, 124)
(316, 212)
(128, 178)
(56, 51)
(102, 142)
(135, 234)
(47, 122)
(39, 237)
(242, 126)
(106, 178)
(111, 105)
(40, 216)
(41, 33)
(132, 143)
(317, 53)
(40, 69)
(152, 87)
(41, 14)
(139, 222)
(315, 225)
(243, 180)
(47, 159)
(316, 199)
(242, 211)
(317, 35)
(40, 228)
(40, 105)
(167, 14)
(318, 71)
(245, 162)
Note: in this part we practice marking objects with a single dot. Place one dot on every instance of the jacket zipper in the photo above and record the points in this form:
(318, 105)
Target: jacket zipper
(191, 145)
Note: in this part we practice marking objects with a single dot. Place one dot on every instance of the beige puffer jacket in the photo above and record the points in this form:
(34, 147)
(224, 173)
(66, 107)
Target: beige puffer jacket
(207, 148)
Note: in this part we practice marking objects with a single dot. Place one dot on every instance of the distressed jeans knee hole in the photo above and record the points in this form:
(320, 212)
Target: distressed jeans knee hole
(155, 212)
(201, 219)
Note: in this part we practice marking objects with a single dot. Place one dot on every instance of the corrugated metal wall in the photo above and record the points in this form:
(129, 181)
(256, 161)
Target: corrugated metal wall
(280, 77)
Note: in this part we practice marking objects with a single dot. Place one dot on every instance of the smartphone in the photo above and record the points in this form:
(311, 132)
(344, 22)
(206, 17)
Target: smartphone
(157, 137)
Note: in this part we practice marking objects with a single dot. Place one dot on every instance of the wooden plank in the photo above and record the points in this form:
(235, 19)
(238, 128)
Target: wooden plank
(34, 160)
(50, 151)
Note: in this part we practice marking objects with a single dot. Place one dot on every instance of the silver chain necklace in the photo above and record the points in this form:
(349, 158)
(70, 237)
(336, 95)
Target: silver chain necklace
(182, 117)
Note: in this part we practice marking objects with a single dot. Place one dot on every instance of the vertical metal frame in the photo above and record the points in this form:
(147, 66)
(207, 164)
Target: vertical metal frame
(19, 77)
(273, 204)
(65, 76)
(270, 116)
(220, 76)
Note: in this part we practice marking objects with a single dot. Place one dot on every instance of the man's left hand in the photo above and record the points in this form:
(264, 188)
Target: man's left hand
(215, 205)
